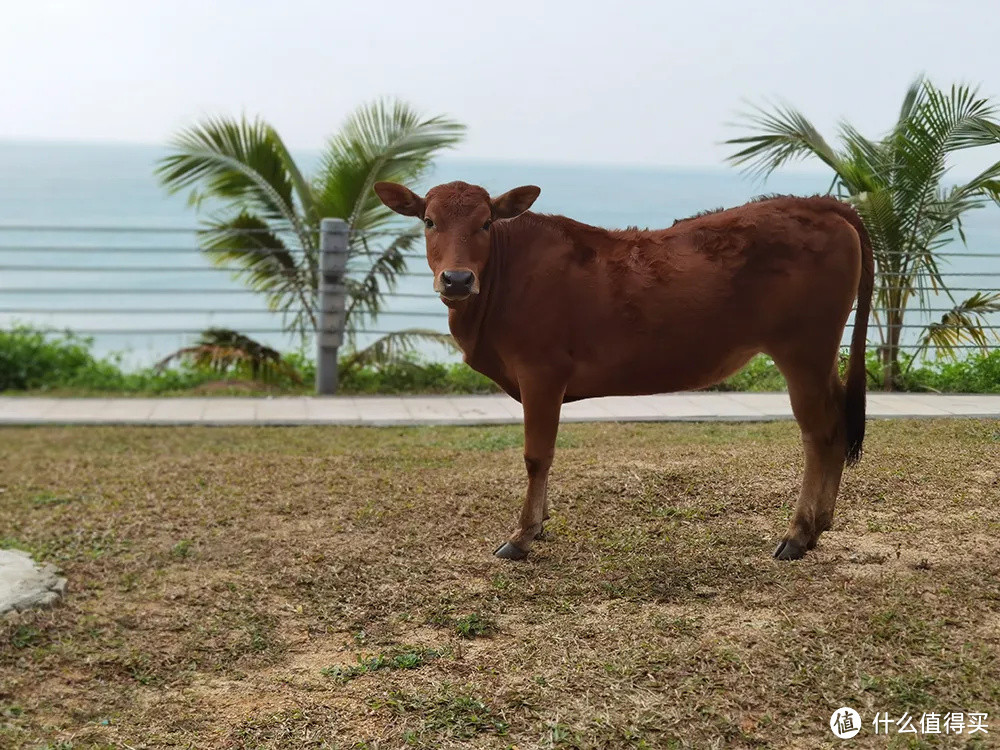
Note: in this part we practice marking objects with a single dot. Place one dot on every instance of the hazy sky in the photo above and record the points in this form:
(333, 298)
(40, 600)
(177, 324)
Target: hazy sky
(620, 82)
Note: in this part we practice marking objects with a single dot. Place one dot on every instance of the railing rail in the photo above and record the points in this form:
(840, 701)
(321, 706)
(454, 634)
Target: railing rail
(72, 277)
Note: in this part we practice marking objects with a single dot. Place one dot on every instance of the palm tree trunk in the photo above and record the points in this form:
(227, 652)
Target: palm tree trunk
(890, 359)
(894, 331)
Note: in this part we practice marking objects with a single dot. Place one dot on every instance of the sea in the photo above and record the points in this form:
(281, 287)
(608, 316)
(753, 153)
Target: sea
(90, 242)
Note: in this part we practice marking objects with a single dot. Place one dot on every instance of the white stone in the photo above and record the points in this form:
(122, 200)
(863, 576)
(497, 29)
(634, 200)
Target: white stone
(24, 584)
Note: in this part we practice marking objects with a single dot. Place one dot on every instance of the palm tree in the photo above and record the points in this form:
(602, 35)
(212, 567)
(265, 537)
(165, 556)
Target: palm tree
(896, 184)
(268, 222)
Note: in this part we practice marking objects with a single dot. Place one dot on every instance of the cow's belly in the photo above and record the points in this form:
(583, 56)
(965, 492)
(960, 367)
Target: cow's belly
(660, 367)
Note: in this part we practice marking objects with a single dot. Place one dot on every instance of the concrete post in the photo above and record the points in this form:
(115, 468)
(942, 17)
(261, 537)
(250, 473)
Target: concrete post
(331, 302)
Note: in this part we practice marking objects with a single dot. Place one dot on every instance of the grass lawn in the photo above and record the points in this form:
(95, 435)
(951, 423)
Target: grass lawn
(333, 588)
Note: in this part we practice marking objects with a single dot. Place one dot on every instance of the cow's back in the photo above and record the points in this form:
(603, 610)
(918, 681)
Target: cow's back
(645, 312)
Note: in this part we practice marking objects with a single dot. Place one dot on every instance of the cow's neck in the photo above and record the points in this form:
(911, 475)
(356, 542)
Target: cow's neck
(513, 244)
(469, 319)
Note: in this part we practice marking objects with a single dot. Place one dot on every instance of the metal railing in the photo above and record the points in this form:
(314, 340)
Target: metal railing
(129, 284)
(108, 281)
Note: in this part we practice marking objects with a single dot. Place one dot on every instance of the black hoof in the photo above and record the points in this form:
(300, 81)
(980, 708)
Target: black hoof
(789, 549)
(508, 551)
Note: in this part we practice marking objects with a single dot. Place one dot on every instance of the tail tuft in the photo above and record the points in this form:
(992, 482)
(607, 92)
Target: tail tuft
(855, 431)
(857, 376)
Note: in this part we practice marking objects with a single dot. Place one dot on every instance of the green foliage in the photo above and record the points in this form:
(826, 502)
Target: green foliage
(897, 185)
(447, 713)
(405, 657)
(760, 374)
(32, 359)
(24, 636)
(38, 360)
(476, 625)
(977, 373)
(408, 374)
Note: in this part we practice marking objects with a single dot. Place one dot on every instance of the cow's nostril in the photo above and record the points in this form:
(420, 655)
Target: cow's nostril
(457, 279)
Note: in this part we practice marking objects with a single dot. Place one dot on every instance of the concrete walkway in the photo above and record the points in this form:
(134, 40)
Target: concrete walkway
(467, 410)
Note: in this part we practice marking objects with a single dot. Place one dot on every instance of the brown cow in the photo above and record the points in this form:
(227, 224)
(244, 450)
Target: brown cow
(554, 310)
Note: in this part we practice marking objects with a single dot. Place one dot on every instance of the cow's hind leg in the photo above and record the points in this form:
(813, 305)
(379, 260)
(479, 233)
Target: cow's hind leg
(542, 401)
(817, 398)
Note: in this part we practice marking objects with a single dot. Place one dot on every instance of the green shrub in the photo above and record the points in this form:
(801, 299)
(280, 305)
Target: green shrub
(977, 373)
(304, 365)
(759, 374)
(31, 359)
(41, 360)
(38, 360)
(412, 375)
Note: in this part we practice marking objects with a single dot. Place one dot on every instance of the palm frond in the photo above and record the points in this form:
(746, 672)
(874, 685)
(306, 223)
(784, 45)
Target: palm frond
(964, 323)
(240, 163)
(225, 351)
(303, 190)
(263, 263)
(392, 347)
(992, 189)
(942, 123)
(985, 185)
(912, 100)
(783, 135)
(380, 268)
(865, 166)
(384, 140)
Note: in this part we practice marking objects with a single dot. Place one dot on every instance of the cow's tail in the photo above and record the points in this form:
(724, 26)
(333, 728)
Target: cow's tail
(857, 375)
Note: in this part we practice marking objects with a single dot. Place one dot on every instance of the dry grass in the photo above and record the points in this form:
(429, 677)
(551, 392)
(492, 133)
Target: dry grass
(320, 587)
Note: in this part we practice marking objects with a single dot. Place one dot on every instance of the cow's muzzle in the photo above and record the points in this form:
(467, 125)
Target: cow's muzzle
(457, 285)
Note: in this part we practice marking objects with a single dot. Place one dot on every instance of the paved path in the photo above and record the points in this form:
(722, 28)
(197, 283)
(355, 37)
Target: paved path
(405, 410)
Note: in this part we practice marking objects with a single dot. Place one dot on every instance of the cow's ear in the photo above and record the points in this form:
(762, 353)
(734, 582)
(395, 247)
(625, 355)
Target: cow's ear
(400, 199)
(515, 201)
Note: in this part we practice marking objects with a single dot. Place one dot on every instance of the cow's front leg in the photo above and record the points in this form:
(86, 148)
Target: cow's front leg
(542, 403)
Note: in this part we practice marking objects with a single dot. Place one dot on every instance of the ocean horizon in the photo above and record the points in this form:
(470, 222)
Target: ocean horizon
(56, 184)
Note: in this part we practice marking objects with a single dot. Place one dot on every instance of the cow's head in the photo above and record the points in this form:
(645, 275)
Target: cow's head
(458, 218)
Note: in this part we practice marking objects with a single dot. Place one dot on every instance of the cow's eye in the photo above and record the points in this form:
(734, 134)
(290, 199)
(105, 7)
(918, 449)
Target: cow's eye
(487, 225)
(428, 223)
